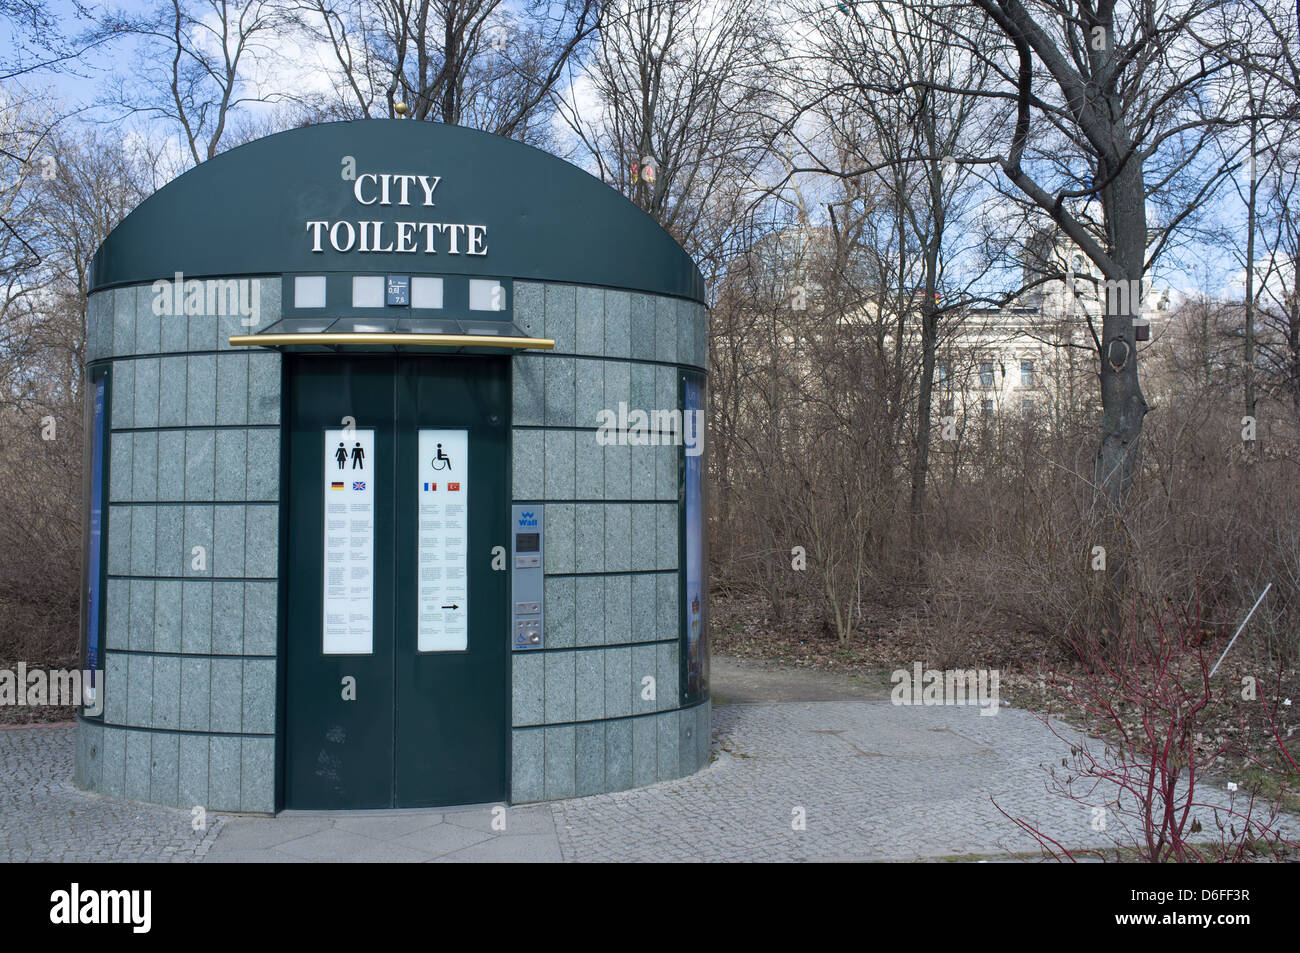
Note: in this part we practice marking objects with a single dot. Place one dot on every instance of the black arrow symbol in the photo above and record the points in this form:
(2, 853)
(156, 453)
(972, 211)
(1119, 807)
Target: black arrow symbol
(451, 607)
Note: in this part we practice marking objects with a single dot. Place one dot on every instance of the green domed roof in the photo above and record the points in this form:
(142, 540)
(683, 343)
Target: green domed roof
(447, 200)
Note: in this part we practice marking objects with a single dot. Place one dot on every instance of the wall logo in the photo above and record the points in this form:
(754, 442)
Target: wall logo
(527, 519)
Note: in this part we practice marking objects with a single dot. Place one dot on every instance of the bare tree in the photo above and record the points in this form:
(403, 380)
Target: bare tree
(1276, 293)
(37, 42)
(922, 102)
(680, 86)
(195, 59)
(1115, 105)
(479, 63)
(27, 157)
(93, 185)
(1271, 87)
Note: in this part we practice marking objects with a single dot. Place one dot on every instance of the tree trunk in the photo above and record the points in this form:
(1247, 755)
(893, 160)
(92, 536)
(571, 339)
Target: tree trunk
(925, 402)
(1293, 338)
(451, 52)
(1122, 402)
(1248, 359)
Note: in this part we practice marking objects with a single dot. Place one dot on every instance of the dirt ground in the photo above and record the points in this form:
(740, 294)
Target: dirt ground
(750, 681)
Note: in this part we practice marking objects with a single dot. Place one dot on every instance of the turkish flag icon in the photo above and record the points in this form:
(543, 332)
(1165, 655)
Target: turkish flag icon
(454, 487)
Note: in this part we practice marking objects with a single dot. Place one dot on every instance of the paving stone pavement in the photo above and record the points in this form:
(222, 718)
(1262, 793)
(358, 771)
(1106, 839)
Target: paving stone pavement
(44, 818)
(461, 835)
(871, 781)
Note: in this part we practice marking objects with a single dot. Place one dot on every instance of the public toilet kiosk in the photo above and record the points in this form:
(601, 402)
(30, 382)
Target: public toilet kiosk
(394, 490)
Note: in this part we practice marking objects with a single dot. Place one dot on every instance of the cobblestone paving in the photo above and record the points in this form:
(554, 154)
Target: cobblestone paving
(874, 781)
(458, 835)
(44, 818)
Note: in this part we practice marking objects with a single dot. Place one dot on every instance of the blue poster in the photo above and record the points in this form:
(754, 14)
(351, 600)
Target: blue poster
(96, 525)
(696, 603)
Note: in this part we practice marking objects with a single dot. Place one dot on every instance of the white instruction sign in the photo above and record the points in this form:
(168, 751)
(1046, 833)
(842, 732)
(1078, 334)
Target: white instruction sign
(349, 596)
(443, 541)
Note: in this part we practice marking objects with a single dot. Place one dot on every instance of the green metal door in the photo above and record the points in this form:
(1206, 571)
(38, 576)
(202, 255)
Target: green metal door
(404, 705)
(452, 704)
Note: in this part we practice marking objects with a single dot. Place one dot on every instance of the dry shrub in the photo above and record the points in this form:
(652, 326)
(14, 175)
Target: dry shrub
(1013, 525)
(1148, 693)
(947, 625)
(1018, 533)
(40, 535)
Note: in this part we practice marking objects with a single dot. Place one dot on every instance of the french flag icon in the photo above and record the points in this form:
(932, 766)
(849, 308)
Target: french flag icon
(428, 487)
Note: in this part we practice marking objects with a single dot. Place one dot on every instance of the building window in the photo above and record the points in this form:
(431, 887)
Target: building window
(426, 292)
(945, 407)
(986, 373)
(486, 295)
(986, 406)
(942, 372)
(309, 292)
(368, 291)
(1026, 373)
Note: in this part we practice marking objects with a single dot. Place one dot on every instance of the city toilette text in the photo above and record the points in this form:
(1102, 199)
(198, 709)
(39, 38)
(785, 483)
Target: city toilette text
(400, 190)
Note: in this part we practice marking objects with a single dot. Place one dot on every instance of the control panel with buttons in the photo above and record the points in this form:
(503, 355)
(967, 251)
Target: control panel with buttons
(526, 526)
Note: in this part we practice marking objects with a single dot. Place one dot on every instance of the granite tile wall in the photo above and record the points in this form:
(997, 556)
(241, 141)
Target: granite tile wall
(193, 530)
(599, 708)
(190, 640)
